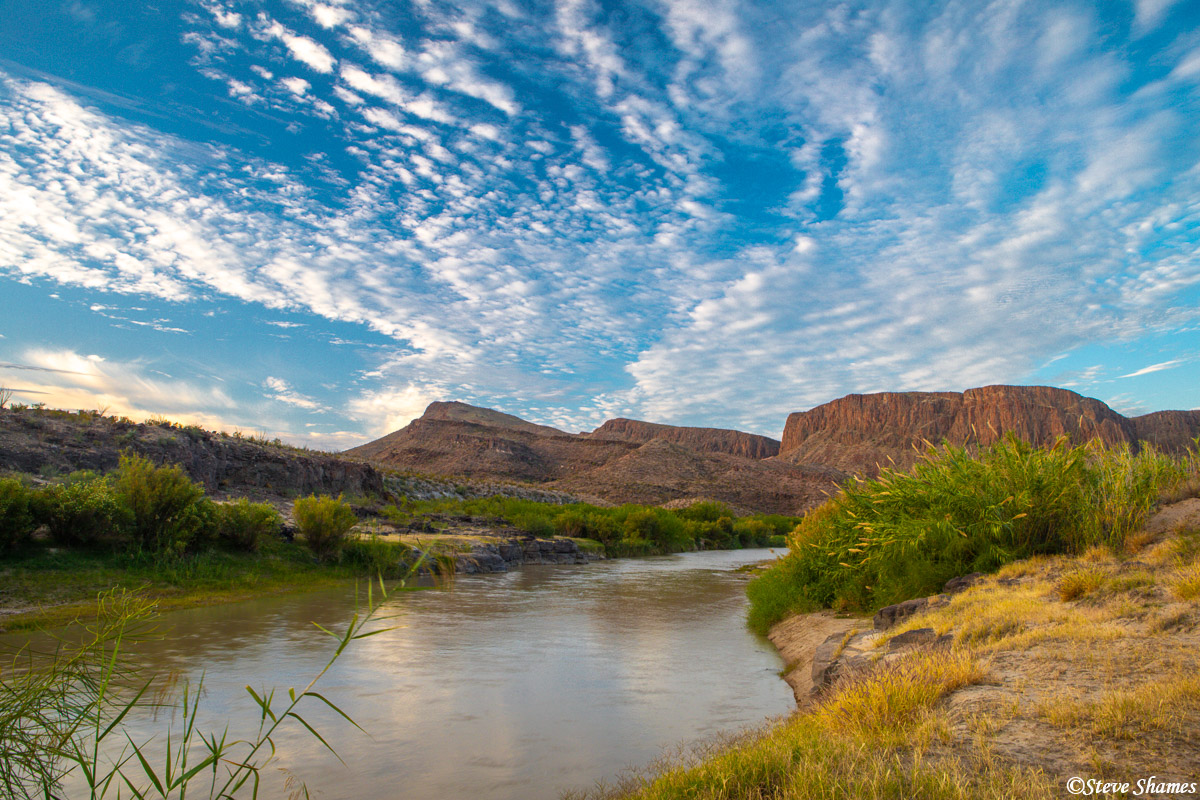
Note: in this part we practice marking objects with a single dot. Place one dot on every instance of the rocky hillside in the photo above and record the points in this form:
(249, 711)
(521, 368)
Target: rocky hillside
(662, 472)
(857, 432)
(489, 450)
(702, 440)
(46, 441)
(50, 442)
(621, 461)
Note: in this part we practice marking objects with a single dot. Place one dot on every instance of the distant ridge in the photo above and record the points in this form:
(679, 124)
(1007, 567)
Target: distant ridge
(704, 440)
(627, 460)
(621, 461)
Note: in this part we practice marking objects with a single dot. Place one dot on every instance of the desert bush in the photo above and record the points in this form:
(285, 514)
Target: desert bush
(17, 521)
(244, 525)
(706, 511)
(324, 522)
(86, 512)
(539, 524)
(753, 532)
(171, 515)
(663, 530)
(571, 523)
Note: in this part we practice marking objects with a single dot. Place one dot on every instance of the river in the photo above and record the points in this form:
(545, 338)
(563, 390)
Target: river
(519, 685)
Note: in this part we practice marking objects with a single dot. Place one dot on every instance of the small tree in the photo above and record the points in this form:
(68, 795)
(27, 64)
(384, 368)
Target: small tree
(246, 525)
(170, 512)
(324, 522)
(17, 521)
(86, 512)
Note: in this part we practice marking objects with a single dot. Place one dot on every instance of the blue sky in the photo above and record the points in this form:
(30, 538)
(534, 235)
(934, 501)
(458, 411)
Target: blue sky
(310, 219)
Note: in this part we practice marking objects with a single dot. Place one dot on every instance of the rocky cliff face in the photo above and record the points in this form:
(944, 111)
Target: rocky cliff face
(1173, 431)
(702, 440)
(858, 432)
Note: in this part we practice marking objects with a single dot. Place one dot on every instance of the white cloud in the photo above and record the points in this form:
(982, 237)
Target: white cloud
(1153, 368)
(281, 391)
(297, 86)
(1149, 13)
(69, 379)
(302, 48)
(387, 410)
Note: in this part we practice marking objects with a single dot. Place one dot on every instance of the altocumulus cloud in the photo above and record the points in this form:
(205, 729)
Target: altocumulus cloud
(703, 213)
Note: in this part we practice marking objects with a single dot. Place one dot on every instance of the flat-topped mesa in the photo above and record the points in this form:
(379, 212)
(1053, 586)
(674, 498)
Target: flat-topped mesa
(703, 440)
(860, 431)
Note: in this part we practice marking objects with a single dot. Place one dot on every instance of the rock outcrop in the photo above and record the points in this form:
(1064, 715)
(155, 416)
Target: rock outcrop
(55, 442)
(860, 432)
(702, 440)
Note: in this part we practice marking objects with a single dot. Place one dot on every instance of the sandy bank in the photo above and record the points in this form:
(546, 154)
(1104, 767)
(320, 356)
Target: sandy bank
(797, 639)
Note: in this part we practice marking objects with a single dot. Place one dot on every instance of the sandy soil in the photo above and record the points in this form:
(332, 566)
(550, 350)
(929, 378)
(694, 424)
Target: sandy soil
(797, 638)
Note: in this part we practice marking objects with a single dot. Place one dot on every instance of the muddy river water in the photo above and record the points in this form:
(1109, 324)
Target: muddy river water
(519, 685)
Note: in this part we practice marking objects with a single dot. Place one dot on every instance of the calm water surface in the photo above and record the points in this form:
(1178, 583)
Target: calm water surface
(519, 685)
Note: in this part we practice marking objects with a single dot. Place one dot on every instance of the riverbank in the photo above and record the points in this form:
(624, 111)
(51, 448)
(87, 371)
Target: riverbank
(1012, 684)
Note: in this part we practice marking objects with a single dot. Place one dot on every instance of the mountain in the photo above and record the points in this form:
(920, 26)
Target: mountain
(858, 432)
(621, 461)
(702, 440)
(627, 460)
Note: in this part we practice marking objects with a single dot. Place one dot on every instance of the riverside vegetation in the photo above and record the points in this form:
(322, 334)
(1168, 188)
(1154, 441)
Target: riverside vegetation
(1031, 681)
(151, 529)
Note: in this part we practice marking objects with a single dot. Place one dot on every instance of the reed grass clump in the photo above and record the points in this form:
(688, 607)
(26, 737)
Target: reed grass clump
(904, 534)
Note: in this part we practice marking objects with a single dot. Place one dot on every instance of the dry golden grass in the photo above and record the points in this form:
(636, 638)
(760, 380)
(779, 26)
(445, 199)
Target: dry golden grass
(870, 739)
(1186, 586)
(1080, 583)
(1159, 705)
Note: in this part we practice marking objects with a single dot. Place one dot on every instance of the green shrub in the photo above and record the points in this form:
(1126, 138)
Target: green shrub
(533, 522)
(171, 515)
(244, 525)
(663, 530)
(571, 523)
(17, 520)
(87, 512)
(706, 511)
(753, 532)
(324, 522)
